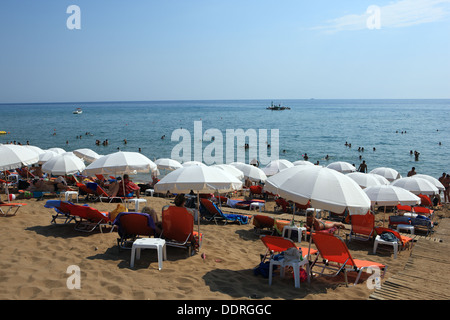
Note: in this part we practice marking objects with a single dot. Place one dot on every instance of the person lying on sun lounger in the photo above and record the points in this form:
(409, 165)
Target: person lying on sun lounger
(320, 225)
(48, 186)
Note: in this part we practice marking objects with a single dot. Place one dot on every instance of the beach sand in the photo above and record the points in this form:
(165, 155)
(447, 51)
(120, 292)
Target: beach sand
(35, 256)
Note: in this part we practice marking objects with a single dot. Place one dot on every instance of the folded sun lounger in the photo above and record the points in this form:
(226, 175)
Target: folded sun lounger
(11, 207)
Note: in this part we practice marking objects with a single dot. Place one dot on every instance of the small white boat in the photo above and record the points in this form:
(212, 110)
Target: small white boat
(77, 111)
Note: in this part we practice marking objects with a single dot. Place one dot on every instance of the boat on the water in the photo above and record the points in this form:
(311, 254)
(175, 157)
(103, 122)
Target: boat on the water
(277, 107)
(77, 111)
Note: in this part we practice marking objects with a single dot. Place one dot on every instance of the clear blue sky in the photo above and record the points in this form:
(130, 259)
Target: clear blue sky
(223, 49)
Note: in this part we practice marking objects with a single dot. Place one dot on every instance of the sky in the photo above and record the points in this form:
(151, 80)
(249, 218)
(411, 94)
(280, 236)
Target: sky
(223, 49)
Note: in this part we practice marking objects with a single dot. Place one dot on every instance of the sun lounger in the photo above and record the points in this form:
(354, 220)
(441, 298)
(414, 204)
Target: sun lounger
(263, 222)
(10, 207)
(178, 229)
(212, 213)
(62, 209)
(276, 244)
(90, 218)
(133, 225)
(279, 245)
(362, 227)
(403, 241)
(337, 257)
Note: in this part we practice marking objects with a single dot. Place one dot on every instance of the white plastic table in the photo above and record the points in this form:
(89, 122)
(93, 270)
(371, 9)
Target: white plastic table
(378, 240)
(256, 205)
(149, 243)
(136, 203)
(295, 264)
(68, 194)
(289, 229)
(406, 227)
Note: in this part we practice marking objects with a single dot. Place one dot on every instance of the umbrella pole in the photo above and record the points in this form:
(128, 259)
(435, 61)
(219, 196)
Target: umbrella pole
(310, 240)
(384, 214)
(6, 187)
(198, 212)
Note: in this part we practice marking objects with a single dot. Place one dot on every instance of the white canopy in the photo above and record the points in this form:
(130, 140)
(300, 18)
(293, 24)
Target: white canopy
(325, 188)
(416, 185)
(200, 179)
(87, 154)
(121, 163)
(431, 179)
(389, 173)
(391, 196)
(168, 164)
(364, 180)
(342, 166)
(63, 164)
(276, 166)
(15, 156)
(231, 170)
(251, 172)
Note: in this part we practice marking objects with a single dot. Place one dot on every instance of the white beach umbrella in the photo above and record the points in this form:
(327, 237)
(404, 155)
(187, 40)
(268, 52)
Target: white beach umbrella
(47, 155)
(431, 179)
(200, 179)
(302, 162)
(389, 173)
(36, 149)
(364, 180)
(342, 166)
(231, 170)
(416, 185)
(193, 163)
(251, 172)
(326, 189)
(391, 196)
(63, 164)
(87, 154)
(57, 150)
(276, 166)
(381, 179)
(168, 164)
(121, 162)
(14, 156)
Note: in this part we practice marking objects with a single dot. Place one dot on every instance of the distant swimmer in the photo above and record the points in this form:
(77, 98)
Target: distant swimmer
(412, 172)
(162, 137)
(305, 157)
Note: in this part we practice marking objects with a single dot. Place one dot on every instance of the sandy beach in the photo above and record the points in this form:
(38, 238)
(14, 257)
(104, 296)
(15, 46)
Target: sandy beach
(35, 256)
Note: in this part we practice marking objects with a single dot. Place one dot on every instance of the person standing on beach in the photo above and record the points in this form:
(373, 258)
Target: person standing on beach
(363, 167)
(445, 180)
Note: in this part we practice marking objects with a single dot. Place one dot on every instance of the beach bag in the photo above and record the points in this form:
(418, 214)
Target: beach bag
(293, 254)
(263, 269)
(388, 236)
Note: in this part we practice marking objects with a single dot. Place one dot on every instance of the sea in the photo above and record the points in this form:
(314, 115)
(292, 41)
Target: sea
(383, 133)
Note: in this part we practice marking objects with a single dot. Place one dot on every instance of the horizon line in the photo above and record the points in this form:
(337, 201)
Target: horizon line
(187, 100)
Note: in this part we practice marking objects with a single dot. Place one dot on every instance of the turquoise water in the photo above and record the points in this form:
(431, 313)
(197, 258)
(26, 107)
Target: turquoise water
(315, 127)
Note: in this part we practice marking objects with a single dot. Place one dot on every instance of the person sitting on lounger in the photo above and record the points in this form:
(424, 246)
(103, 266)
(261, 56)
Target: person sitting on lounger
(180, 201)
(320, 225)
(117, 188)
(152, 213)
